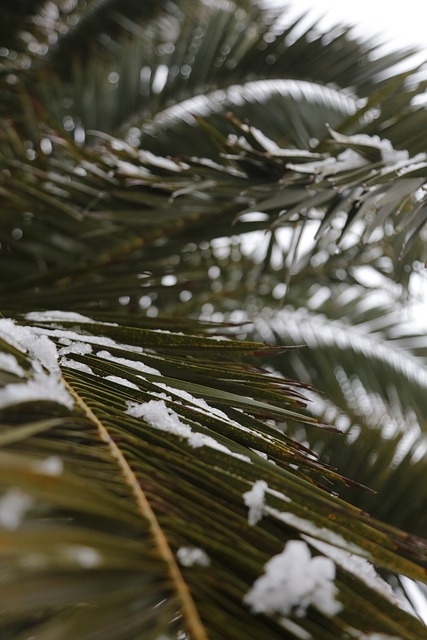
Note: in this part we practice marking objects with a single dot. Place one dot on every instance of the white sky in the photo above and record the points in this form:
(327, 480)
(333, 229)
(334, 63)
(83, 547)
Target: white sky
(402, 23)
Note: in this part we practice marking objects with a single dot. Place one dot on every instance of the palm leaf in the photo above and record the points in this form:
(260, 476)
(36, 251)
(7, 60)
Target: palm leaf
(375, 395)
(110, 80)
(108, 497)
(131, 192)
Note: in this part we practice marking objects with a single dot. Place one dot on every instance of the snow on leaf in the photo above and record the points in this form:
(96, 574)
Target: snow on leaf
(77, 348)
(82, 555)
(43, 387)
(159, 416)
(139, 366)
(293, 581)
(26, 340)
(122, 381)
(52, 316)
(348, 160)
(45, 382)
(189, 556)
(9, 363)
(14, 504)
(356, 565)
(75, 364)
(254, 500)
(308, 527)
(51, 466)
(200, 403)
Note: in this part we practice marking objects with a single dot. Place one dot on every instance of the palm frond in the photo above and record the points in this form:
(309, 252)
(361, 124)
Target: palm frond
(131, 193)
(372, 387)
(129, 508)
(175, 51)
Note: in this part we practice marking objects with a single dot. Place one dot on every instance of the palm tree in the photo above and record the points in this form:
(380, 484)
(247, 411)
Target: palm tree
(189, 191)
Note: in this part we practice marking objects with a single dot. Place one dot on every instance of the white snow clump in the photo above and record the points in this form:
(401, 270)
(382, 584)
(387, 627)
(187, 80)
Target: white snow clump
(293, 581)
(45, 382)
(161, 417)
(189, 556)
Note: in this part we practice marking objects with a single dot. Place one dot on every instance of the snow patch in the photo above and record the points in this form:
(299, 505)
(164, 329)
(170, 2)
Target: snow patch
(268, 144)
(53, 316)
(75, 364)
(43, 387)
(77, 348)
(14, 505)
(159, 416)
(139, 366)
(9, 363)
(190, 556)
(348, 160)
(51, 466)
(26, 340)
(254, 500)
(354, 564)
(67, 337)
(201, 404)
(307, 527)
(45, 382)
(86, 557)
(122, 381)
(293, 581)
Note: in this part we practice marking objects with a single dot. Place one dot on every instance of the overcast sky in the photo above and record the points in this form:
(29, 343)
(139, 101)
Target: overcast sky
(403, 23)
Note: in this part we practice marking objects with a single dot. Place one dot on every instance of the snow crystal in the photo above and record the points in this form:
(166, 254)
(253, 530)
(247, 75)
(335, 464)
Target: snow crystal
(189, 556)
(14, 504)
(356, 565)
(293, 581)
(139, 366)
(159, 416)
(123, 381)
(75, 364)
(51, 466)
(84, 556)
(254, 500)
(9, 363)
(52, 316)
